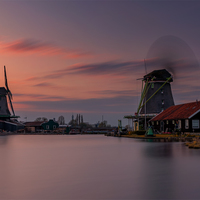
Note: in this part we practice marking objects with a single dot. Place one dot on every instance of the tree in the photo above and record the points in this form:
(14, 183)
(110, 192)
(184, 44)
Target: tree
(61, 120)
(81, 119)
(76, 120)
(41, 119)
(103, 124)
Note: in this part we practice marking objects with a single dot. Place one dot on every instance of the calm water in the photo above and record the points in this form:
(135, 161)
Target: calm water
(96, 167)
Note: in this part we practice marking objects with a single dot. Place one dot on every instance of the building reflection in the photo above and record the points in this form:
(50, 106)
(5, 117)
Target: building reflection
(3, 140)
(158, 170)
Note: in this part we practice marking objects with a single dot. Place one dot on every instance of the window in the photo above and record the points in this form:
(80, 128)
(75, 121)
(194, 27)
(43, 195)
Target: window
(157, 123)
(152, 123)
(179, 124)
(195, 124)
(186, 124)
(167, 122)
(47, 126)
(54, 126)
(172, 121)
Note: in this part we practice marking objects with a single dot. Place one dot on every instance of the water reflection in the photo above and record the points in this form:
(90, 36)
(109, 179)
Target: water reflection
(96, 167)
(3, 140)
(158, 169)
(159, 150)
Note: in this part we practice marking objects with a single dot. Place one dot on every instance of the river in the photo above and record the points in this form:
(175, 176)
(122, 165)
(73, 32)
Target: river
(96, 167)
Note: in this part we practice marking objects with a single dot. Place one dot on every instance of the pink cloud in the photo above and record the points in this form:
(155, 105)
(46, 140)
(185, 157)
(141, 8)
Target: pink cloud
(44, 84)
(32, 78)
(32, 46)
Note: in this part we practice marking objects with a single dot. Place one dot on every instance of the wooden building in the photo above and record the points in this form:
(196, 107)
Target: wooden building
(183, 117)
(50, 125)
(11, 125)
(32, 127)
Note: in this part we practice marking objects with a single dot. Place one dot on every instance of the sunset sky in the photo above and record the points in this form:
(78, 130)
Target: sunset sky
(69, 57)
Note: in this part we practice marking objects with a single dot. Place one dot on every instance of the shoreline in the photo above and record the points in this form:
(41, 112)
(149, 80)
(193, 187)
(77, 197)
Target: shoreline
(49, 133)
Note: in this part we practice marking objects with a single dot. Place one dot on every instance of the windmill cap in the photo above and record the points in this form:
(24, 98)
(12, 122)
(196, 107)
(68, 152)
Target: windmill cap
(158, 75)
(3, 91)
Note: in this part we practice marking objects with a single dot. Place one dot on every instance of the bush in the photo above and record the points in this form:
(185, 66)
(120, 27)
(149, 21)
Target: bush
(190, 135)
(141, 132)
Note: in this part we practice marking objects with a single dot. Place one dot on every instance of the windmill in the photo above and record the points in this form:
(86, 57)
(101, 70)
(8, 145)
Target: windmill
(5, 96)
(156, 95)
(167, 54)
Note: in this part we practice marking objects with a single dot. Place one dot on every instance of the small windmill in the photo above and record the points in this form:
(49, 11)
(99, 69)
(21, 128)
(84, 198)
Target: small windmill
(4, 94)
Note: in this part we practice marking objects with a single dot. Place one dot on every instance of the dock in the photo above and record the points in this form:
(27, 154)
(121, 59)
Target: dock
(156, 138)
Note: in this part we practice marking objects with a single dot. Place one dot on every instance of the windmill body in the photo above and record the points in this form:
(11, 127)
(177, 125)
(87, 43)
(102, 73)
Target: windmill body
(4, 111)
(8, 122)
(157, 95)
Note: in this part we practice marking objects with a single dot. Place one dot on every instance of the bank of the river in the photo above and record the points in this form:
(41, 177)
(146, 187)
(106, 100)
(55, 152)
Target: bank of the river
(45, 133)
(164, 137)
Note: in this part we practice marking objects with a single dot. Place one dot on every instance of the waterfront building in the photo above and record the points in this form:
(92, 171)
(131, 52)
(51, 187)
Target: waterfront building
(50, 125)
(32, 127)
(183, 117)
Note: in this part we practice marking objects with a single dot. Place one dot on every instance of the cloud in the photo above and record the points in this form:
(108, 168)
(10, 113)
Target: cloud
(111, 67)
(32, 46)
(39, 97)
(117, 92)
(107, 105)
(96, 69)
(44, 84)
(124, 73)
(32, 78)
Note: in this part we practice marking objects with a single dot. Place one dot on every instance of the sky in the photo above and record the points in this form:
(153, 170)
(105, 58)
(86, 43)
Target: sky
(69, 57)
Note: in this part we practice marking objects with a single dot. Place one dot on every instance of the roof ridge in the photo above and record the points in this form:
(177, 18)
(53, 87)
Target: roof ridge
(188, 103)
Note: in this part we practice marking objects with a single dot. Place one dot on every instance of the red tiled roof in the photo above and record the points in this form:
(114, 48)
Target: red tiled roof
(182, 111)
(33, 124)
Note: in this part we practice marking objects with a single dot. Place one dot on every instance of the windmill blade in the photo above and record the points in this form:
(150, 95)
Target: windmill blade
(11, 104)
(172, 53)
(6, 83)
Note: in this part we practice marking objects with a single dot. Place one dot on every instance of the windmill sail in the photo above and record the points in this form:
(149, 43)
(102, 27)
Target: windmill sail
(9, 94)
(11, 104)
(6, 83)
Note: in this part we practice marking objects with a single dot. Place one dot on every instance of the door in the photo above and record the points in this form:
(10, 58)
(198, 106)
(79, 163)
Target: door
(162, 126)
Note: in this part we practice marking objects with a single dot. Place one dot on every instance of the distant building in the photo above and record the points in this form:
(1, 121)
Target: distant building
(183, 117)
(50, 125)
(11, 125)
(32, 127)
(64, 128)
